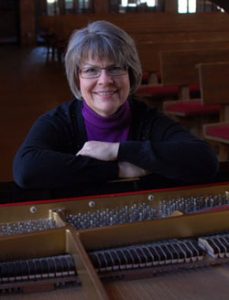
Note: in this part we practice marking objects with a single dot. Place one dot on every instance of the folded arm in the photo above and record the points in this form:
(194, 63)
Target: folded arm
(46, 159)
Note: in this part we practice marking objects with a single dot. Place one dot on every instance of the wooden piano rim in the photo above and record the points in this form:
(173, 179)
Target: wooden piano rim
(112, 195)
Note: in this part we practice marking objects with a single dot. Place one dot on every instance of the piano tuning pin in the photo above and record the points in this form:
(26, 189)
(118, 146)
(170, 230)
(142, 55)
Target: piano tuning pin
(91, 204)
(33, 209)
(151, 197)
(227, 195)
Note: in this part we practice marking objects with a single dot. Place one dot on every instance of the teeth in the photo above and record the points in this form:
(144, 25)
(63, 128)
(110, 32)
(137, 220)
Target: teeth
(105, 93)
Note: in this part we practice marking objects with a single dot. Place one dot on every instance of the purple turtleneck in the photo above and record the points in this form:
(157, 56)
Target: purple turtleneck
(114, 128)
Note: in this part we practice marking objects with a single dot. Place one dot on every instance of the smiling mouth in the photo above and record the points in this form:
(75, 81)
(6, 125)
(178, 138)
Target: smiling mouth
(105, 93)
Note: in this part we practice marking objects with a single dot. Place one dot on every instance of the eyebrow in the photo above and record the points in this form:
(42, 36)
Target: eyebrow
(96, 66)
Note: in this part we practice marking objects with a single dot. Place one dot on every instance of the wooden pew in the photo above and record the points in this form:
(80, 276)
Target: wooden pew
(149, 52)
(154, 27)
(179, 68)
(215, 90)
(151, 31)
(179, 80)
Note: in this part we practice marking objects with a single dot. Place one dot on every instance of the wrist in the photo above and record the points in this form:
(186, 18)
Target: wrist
(115, 149)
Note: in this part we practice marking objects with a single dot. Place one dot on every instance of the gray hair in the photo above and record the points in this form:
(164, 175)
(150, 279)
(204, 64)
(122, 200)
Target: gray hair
(98, 40)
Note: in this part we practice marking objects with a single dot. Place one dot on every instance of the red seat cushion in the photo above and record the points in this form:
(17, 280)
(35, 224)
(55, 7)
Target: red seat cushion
(194, 90)
(191, 108)
(161, 91)
(218, 130)
(145, 77)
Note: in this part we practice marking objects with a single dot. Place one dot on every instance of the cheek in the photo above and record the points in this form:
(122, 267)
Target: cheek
(84, 88)
(126, 85)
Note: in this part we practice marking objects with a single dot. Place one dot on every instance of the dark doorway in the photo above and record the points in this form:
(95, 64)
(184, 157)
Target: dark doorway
(9, 22)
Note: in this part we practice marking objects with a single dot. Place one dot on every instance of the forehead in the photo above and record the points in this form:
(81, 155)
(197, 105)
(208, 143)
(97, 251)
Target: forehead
(101, 62)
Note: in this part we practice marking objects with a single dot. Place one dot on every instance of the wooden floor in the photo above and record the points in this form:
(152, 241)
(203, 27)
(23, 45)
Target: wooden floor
(29, 86)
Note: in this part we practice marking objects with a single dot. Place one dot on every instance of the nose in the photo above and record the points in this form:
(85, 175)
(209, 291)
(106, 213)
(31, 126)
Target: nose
(105, 76)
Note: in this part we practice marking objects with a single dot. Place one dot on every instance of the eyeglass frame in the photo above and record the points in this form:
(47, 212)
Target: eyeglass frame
(123, 71)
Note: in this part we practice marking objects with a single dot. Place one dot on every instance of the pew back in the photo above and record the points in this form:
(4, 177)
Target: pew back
(214, 89)
(152, 32)
(214, 82)
(179, 67)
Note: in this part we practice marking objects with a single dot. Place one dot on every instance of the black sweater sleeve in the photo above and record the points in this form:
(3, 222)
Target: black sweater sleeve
(164, 147)
(47, 158)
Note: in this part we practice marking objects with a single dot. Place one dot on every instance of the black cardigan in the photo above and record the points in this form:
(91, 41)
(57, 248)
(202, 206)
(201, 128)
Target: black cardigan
(47, 157)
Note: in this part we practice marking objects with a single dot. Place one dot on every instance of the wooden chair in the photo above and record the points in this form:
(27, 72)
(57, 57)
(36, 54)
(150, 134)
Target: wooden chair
(215, 90)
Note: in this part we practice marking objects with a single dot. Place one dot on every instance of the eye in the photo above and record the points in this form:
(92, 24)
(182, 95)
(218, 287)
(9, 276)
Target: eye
(90, 70)
(117, 70)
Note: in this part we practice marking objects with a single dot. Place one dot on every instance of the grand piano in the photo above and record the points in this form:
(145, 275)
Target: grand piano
(160, 242)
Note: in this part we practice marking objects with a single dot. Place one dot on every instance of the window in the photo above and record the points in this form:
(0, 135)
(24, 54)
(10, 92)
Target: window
(56, 7)
(85, 6)
(136, 5)
(69, 4)
(186, 6)
(52, 7)
(192, 6)
(208, 6)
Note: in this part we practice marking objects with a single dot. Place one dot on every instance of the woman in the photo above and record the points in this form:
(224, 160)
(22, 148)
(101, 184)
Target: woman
(104, 133)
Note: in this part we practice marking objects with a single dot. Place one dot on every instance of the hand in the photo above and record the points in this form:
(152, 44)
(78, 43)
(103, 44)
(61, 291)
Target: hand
(128, 170)
(100, 150)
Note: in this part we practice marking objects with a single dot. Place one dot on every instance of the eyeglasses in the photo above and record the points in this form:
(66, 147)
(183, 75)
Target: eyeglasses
(94, 71)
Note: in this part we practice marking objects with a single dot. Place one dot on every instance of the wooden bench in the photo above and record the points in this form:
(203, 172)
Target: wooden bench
(149, 52)
(215, 90)
(152, 32)
(160, 85)
(180, 68)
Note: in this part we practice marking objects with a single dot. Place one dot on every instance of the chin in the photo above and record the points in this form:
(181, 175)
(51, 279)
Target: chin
(107, 112)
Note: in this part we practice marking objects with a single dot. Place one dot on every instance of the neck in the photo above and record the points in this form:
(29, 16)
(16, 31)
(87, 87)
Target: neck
(114, 128)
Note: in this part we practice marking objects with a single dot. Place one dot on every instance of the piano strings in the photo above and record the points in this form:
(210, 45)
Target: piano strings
(121, 214)
(35, 274)
(139, 212)
(161, 256)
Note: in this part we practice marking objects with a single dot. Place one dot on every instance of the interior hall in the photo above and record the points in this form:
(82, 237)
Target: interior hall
(138, 210)
(33, 39)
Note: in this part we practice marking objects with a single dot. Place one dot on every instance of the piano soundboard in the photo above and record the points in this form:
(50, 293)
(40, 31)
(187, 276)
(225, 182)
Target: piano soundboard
(156, 244)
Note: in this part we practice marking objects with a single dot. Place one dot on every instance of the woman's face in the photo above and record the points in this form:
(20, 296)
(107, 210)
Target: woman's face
(104, 90)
